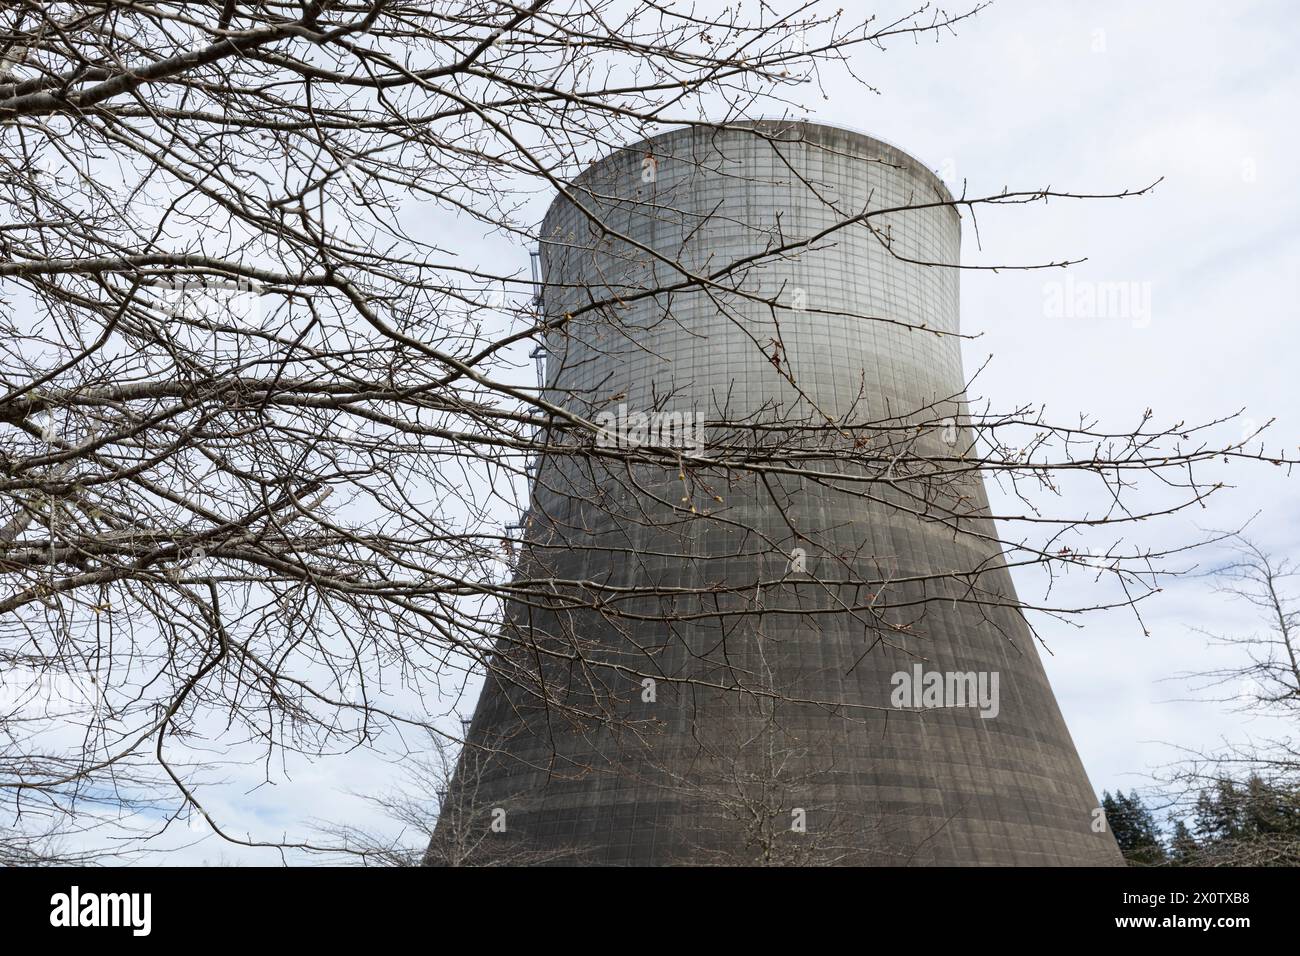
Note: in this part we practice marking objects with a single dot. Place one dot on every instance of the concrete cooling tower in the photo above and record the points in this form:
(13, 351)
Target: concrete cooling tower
(759, 612)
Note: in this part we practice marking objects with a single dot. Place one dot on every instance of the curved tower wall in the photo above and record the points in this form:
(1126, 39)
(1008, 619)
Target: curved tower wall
(893, 575)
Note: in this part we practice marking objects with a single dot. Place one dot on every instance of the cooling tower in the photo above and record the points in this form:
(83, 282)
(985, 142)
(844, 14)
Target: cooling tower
(763, 615)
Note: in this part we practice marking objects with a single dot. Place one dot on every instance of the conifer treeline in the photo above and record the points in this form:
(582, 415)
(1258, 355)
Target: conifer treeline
(1230, 823)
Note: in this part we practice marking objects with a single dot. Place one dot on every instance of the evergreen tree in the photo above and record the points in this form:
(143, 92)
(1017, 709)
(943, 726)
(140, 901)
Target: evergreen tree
(1134, 828)
(1270, 809)
(1250, 823)
(1218, 814)
(1183, 850)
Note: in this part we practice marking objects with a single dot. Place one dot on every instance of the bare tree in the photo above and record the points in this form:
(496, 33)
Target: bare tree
(266, 431)
(1243, 796)
(69, 844)
(444, 820)
(1266, 678)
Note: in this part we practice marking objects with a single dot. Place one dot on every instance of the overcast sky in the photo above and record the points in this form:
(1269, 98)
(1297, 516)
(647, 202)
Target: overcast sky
(1089, 98)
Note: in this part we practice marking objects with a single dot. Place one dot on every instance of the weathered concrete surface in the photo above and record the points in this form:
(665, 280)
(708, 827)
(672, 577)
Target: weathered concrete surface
(877, 785)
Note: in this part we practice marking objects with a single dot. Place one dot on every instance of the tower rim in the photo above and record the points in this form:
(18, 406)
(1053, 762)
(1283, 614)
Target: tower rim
(640, 145)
